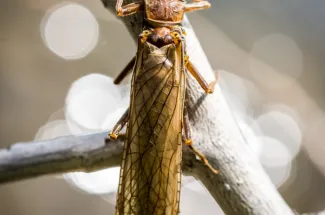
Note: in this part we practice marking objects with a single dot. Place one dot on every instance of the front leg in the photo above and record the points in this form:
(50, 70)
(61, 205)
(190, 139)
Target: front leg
(196, 5)
(128, 9)
(178, 35)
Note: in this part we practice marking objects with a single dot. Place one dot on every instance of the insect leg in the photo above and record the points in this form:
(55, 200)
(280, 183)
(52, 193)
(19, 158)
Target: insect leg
(119, 125)
(124, 119)
(189, 142)
(128, 9)
(120, 137)
(125, 71)
(208, 88)
(196, 5)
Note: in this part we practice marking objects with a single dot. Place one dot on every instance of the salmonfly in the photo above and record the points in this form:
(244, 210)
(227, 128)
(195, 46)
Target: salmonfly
(156, 120)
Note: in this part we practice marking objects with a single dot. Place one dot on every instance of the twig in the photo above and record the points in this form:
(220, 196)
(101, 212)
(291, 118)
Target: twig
(242, 187)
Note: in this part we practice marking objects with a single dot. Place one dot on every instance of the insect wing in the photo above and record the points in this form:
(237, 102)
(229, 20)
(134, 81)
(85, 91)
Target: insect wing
(151, 168)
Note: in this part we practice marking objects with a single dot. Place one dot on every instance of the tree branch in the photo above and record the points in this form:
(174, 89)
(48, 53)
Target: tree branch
(85, 153)
(242, 187)
(64, 154)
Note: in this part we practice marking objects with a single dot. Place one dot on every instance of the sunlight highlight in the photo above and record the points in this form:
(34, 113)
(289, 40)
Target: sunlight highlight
(92, 98)
(282, 127)
(275, 61)
(70, 30)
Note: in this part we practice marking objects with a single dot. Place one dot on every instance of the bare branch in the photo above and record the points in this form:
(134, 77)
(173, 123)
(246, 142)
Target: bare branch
(85, 153)
(64, 154)
(242, 187)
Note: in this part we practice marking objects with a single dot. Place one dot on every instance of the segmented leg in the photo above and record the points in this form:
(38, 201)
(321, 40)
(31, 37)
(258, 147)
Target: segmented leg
(114, 134)
(196, 5)
(189, 142)
(128, 9)
(127, 70)
(208, 88)
(119, 125)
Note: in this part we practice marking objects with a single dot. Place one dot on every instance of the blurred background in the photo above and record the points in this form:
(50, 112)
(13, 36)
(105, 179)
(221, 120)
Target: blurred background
(57, 60)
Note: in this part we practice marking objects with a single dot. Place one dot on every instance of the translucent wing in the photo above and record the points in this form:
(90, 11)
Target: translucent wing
(150, 174)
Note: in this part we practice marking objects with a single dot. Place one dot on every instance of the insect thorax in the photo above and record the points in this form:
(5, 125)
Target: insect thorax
(164, 12)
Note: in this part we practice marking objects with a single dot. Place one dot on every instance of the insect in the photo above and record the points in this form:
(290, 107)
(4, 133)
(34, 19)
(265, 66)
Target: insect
(156, 120)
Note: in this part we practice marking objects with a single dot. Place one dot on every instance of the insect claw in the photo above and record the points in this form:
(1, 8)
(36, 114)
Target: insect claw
(210, 167)
(214, 171)
(113, 136)
(202, 158)
(186, 59)
(212, 85)
(119, 12)
(210, 90)
(188, 142)
(184, 32)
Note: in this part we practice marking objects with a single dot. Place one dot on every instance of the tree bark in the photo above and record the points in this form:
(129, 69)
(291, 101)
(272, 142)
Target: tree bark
(241, 188)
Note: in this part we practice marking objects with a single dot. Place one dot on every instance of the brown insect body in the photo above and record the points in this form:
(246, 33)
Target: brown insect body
(150, 176)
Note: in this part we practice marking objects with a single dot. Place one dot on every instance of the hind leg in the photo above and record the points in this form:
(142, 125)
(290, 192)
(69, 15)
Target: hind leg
(189, 142)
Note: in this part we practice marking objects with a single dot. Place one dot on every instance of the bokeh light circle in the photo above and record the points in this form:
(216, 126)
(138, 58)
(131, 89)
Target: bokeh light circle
(91, 99)
(98, 183)
(273, 153)
(249, 133)
(53, 129)
(279, 175)
(283, 128)
(70, 30)
(275, 61)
